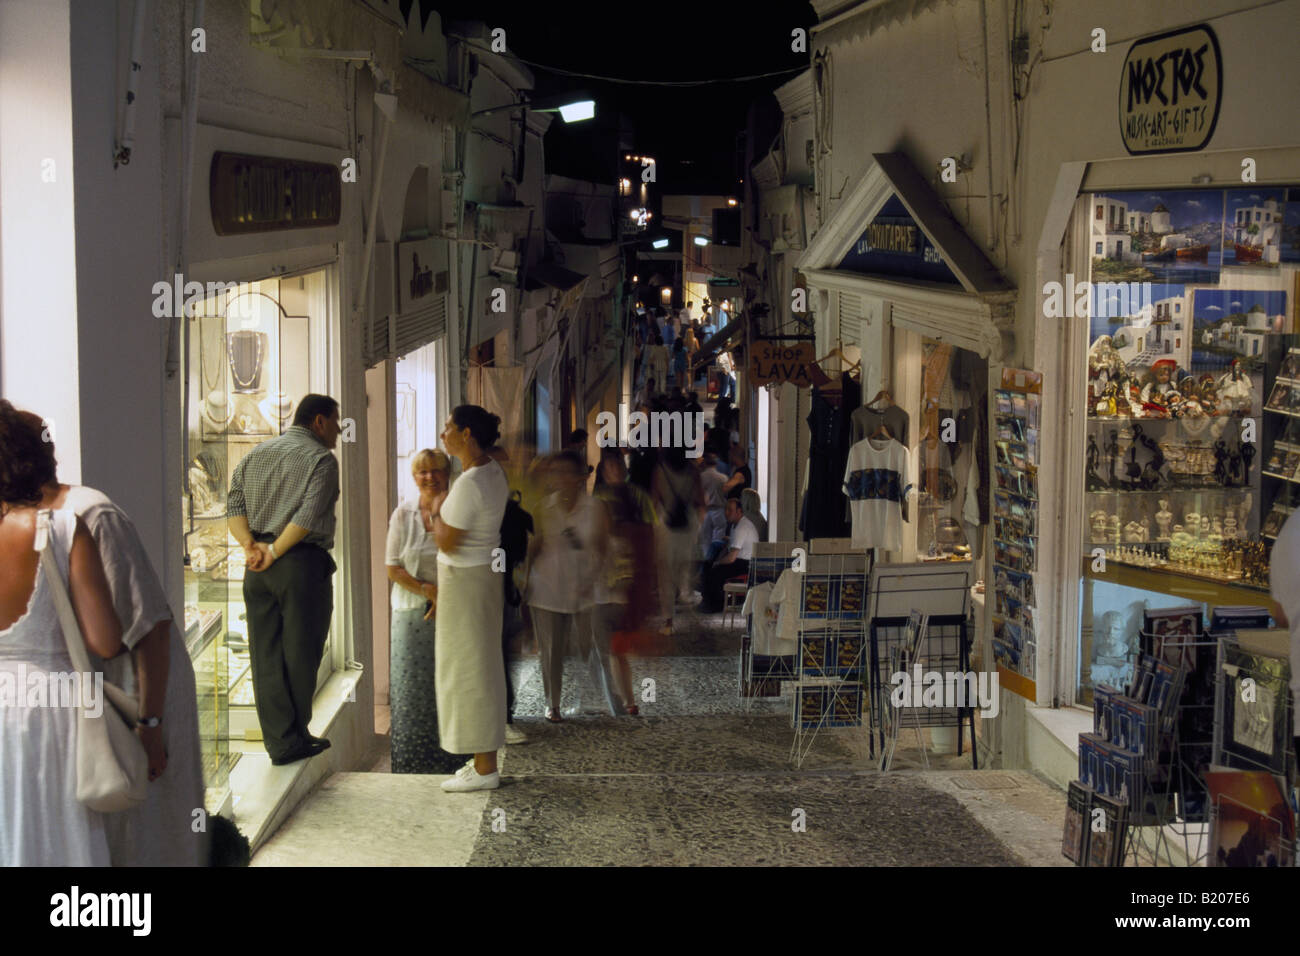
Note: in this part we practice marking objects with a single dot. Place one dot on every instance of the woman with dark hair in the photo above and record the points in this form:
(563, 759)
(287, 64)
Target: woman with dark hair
(160, 831)
(469, 600)
(41, 821)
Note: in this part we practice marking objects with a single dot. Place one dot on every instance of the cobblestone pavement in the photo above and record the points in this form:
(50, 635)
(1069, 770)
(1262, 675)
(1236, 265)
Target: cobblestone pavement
(701, 778)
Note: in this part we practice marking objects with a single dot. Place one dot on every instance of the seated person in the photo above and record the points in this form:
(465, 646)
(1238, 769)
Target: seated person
(737, 552)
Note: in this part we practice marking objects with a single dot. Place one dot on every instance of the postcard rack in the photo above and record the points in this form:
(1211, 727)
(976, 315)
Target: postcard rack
(830, 665)
(770, 559)
(942, 646)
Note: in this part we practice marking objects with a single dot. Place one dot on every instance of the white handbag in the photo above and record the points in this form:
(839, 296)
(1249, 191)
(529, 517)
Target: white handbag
(112, 766)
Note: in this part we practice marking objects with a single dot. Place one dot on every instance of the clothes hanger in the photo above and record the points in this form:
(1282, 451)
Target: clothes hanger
(879, 395)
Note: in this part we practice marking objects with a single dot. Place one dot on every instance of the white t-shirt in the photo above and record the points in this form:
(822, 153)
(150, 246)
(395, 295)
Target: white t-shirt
(743, 538)
(786, 598)
(476, 504)
(876, 481)
(1284, 583)
(411, 547)
(562, 577)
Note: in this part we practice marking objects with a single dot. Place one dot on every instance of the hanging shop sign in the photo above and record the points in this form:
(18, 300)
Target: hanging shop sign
(266, 194)
(894, 245)
(1170, 91)
(783, 360)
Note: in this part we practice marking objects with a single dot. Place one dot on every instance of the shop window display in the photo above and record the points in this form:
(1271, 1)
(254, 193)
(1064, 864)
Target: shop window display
(254, 352)
(1193, 430)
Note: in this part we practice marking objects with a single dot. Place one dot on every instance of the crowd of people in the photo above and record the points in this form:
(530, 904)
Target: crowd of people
(600, 564)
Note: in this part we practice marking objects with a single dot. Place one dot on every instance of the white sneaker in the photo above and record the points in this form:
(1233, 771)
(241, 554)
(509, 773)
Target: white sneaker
(467, 778)
(515, 736)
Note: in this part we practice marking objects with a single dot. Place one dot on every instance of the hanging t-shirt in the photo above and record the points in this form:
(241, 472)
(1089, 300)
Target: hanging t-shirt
(787, 598)
(762, 616)
(876, 481)
(865, 420)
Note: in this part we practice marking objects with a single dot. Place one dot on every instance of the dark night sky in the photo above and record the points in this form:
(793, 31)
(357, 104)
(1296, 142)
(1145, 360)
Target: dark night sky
(691, 131)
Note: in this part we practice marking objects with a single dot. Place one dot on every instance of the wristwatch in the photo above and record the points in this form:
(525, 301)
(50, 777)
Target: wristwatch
(149, 722)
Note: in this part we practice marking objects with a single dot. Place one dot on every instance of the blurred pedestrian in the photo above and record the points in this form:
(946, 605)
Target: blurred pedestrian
(680, 495)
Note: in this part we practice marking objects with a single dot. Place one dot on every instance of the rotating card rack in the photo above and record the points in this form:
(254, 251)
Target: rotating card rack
(829, 688)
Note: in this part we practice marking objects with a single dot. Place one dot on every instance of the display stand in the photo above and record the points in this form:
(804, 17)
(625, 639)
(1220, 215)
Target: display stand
(770, 559)
(829, 688)
(940, 590)
(941, 644)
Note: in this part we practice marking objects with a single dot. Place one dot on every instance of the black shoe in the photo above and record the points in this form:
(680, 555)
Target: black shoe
(321, 742)
(319, 746)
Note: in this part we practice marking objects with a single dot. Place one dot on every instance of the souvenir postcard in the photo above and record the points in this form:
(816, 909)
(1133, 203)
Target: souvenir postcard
(1074, 841)
(1252, 824)
(1252, 711)
(1186, 620)
(853, 598)
(846, 706)
(1103, 712)
(814, 654)
(850, 654)
(812, 705)
(819, 592)
(1106, 838)
(1004, 403)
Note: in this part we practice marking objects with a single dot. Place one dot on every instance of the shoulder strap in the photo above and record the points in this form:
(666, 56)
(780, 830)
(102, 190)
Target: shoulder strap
(59, 589)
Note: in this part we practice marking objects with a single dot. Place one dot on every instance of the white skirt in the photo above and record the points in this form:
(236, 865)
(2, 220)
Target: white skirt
(470, 670)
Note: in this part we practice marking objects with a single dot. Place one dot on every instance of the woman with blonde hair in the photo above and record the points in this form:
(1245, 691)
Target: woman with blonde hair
(411, 557)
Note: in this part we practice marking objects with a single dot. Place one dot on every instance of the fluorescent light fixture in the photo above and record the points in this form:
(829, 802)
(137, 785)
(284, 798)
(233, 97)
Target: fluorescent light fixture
(660, 243)
(701, 240)
(579, 111)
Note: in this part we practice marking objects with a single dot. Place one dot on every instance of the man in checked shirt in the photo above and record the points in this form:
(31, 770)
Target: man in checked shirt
(281, 509)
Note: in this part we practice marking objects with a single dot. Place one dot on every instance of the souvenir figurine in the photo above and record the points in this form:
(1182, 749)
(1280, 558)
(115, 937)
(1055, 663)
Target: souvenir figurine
(1246, 450)
(1092, 480)
(1163, 517)
(1112, 453)
(1209, 396)
(1159, 390)
(1235, 390)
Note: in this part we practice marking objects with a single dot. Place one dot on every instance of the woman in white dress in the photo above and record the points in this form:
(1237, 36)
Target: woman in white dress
(469, 600)
(161, 831)
(41, 822)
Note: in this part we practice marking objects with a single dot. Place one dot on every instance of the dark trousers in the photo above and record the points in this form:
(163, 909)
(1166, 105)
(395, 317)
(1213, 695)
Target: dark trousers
(715, 576)
(289, 607)
(510, 625)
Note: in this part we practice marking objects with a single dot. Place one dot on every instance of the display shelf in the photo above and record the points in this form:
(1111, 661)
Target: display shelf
(1282, 411)
(1271, 474)
(1177, 582)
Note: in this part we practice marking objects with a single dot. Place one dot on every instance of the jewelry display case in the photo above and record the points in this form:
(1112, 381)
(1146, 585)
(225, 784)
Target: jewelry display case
(251, 361)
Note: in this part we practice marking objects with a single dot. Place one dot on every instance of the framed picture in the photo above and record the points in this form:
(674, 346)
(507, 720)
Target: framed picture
(1252, 710)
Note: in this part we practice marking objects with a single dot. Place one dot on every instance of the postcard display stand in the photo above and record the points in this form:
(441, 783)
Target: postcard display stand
(770, 559)
(940, 592)
(1015, 529)
(830, 664)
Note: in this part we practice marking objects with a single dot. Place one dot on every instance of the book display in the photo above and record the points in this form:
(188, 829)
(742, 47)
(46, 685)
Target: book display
(1018, 406)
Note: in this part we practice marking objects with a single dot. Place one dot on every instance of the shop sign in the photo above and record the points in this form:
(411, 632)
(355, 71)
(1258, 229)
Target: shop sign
(1170, 91)
(783, 361)
(266, 193)
(894, 245)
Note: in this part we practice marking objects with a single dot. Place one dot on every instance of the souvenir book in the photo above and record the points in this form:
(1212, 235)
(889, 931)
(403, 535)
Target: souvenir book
(1106, 830)
(1103, 713)
(1074, 841)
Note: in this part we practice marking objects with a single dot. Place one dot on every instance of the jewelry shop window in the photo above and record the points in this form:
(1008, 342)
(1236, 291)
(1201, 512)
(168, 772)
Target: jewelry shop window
(254, 351)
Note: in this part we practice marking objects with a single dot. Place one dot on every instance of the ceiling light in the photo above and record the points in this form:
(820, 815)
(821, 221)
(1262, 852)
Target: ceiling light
(701, 240)
(660, 243)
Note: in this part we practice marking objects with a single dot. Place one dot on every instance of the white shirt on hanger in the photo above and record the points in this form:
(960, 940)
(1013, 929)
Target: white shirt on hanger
(877, 480)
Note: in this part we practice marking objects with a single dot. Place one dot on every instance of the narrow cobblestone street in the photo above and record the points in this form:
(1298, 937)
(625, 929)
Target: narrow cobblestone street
(699, 779)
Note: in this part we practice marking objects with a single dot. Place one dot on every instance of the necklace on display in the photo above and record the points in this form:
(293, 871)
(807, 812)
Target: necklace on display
(250, 383)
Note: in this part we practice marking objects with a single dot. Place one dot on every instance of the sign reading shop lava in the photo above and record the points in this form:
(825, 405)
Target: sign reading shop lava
(266, 193)
(784, 361)
(1170, 92)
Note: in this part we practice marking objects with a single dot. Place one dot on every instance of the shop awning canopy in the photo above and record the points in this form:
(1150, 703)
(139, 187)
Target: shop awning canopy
(962, 299)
